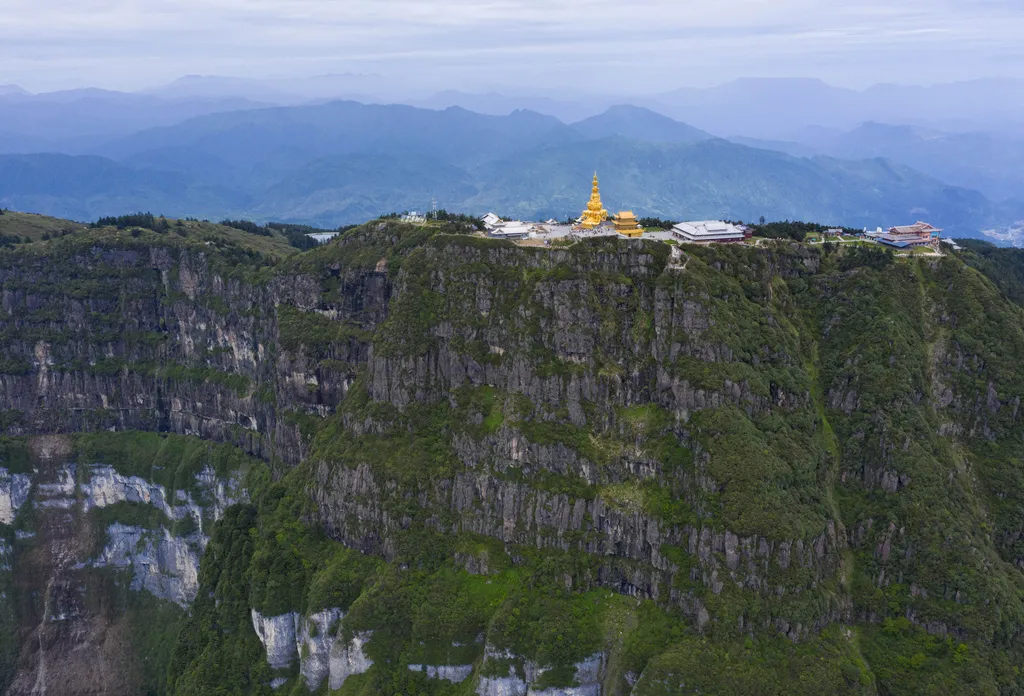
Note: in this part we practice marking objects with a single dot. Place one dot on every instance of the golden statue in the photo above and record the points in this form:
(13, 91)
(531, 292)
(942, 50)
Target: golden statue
(595, 213)
(627, 224)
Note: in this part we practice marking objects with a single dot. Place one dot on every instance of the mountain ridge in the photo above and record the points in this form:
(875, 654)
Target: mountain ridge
(237, 164)
(638, 123)
(524, 164)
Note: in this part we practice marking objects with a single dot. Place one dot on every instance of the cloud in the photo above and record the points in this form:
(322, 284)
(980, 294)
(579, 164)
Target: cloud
(643, 45)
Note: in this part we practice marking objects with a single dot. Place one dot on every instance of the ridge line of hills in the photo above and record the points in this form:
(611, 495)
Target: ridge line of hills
(343, 162)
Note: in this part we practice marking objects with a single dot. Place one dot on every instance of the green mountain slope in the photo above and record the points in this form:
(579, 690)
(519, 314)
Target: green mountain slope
(359, 187)
(28, 227)
(283, 138)
(619, 467)
(86, 188)
(987, 162)
(717, 179)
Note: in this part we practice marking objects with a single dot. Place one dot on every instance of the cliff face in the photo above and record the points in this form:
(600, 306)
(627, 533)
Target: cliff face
(570, 388)
(605, 469)
(80, 526)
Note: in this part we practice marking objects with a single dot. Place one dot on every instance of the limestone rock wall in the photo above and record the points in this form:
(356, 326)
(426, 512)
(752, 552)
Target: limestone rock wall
(311, 641)
(279, 637)
(523, 676)
(150, 339)
(175, 343)
(165, 565)
(63, 546)
(14, 490)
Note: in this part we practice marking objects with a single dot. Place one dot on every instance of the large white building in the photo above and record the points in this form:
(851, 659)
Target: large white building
(515, 229)
(706, 231)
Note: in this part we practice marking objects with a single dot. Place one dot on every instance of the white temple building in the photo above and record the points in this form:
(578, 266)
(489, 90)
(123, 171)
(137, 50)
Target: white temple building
(707, 231)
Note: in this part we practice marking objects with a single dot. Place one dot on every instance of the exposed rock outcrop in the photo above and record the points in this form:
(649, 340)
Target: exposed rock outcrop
(453, 673)
(55, 555)
(14, 490)
(107, 487)
(317, 635)
(587, 679)
(279, 635)
(348, 659)
(164, 565)
(312, 641)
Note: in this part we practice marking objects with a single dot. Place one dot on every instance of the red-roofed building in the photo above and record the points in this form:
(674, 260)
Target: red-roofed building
(909, 236)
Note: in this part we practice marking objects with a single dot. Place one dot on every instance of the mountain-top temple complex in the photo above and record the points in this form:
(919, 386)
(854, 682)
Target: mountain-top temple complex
(595, 220)
(595, 216)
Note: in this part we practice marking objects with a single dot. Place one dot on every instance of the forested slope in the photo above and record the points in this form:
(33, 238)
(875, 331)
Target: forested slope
(415, 461)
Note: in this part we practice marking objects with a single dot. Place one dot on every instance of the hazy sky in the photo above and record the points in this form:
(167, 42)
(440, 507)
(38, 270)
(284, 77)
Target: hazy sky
(626, 46)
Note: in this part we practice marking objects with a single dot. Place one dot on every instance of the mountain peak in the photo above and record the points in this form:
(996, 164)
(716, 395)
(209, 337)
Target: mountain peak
(631, 108)
(638, 123)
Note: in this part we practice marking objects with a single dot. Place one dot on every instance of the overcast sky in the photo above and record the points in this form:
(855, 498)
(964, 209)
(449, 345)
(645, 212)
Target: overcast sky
(597, 46)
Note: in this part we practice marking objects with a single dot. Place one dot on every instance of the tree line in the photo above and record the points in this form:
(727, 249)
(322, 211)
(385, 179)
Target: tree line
(296, 235)
(793, 229)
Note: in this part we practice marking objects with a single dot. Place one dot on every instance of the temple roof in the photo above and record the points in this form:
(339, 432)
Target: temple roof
(918, 228)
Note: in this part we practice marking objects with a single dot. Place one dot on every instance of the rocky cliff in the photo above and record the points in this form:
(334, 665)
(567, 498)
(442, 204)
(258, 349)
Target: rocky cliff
(417, 462)
(83, 523)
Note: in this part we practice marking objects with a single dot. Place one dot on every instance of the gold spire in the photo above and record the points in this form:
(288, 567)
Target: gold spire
(595, 213)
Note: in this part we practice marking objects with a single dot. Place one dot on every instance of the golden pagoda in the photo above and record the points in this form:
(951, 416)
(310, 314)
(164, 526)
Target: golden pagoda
(595, 213)
(627, 224)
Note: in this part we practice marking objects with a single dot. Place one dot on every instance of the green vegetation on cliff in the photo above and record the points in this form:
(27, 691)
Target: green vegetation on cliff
(783, 469)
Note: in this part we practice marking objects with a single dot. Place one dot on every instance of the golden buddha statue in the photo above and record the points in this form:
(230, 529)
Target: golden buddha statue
(595, 213)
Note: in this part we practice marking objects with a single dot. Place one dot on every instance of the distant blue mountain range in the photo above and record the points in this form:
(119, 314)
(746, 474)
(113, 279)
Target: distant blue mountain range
(342, 162)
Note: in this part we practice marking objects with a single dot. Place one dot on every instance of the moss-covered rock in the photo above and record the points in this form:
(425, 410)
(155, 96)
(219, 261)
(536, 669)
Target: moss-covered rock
(601, 466)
